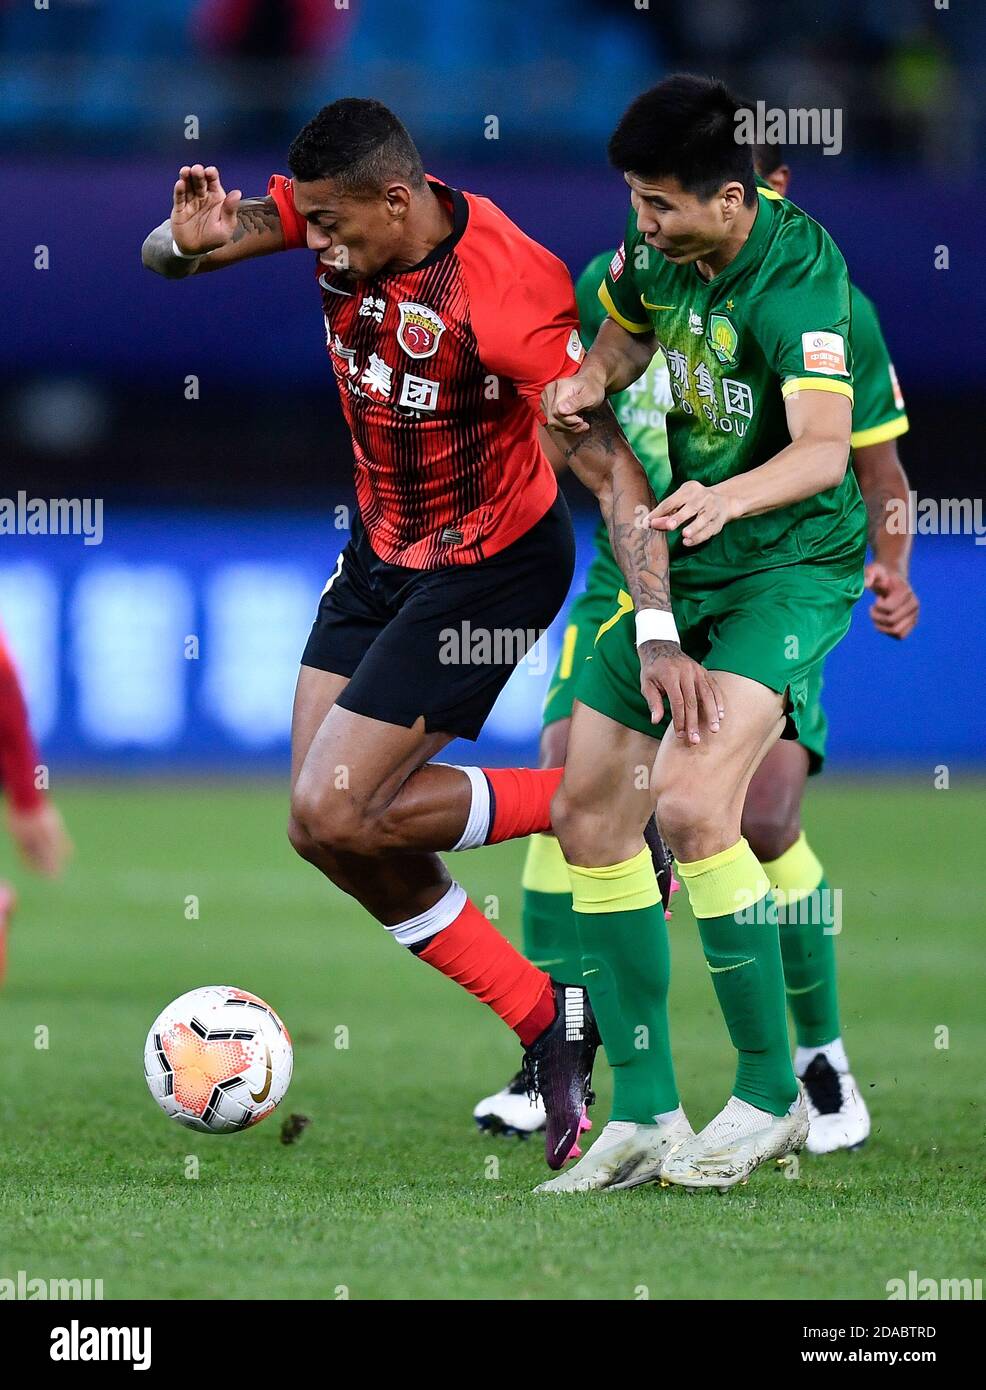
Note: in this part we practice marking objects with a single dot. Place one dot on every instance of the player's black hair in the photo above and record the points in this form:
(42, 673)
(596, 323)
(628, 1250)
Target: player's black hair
(357, 142)
(769, 158)
(685, 128)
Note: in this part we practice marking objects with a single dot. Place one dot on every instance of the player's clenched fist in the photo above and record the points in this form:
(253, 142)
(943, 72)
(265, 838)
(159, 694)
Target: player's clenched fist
(896, 609)
(693, 696)
(564, 401)
(203, 216)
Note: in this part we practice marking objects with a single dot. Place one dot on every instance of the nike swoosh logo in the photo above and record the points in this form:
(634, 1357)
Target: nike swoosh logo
(657, 306)
(346, 294)
(721, 969)
(552, 693)
(590, 972)
(807, 989)
(264, 1092)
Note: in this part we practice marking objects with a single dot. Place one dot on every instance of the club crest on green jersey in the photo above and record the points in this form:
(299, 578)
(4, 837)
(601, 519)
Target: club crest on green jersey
(723, 339)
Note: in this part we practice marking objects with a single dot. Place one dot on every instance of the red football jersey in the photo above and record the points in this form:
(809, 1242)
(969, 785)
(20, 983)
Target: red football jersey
(440, 369)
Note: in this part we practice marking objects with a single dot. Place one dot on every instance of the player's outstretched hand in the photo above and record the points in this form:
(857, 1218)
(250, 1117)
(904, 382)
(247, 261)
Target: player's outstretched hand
(701, 511)
(693, 696)
(203, 215)
(896, 609)
(41, 838)
(564, 401)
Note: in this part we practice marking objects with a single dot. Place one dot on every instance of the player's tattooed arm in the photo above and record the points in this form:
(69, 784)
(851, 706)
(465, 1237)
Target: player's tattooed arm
(157, 254)
(885, 486)
(601, 458)
(257, 233)
(211, 228)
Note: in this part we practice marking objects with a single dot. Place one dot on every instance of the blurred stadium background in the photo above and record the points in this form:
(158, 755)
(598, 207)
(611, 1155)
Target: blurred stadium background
(221, 520)
(221, 513)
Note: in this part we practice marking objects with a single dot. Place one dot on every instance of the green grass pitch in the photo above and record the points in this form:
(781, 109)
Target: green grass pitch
(391, 1193)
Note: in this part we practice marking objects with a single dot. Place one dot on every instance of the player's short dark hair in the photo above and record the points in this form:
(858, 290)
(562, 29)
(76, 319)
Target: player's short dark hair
(357, 142)
(685, 128)
(769, 158)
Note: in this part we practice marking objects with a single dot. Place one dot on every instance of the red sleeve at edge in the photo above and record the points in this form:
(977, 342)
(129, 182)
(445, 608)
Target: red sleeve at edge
(293, 226)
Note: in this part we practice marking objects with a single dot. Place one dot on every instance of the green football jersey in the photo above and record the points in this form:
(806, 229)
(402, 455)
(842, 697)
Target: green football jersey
(878, 411)
(775, 321)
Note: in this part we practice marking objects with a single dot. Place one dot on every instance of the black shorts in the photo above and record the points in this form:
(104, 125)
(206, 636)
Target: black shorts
(439, 644)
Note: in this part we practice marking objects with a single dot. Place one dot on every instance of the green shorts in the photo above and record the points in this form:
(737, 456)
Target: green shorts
(584, 619)
(775, 627)
(813, 729)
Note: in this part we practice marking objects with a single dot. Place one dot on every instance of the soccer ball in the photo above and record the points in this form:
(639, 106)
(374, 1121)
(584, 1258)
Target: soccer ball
(218, 1059)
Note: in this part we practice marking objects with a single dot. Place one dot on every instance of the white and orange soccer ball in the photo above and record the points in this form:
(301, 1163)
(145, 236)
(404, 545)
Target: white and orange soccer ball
(218, 1059)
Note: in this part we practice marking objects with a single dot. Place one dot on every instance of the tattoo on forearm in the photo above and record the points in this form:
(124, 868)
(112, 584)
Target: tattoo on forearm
(652, 652)
(157, 255)
(641, 553)
(256, 217)
(603, 436)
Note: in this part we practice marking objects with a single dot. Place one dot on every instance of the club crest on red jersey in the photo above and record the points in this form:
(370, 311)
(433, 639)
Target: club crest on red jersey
(419, 330)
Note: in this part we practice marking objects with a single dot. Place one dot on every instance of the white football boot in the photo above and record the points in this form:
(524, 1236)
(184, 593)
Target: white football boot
(511, 1111)
(736, 1143)
(625, 1155)
(837, 1112)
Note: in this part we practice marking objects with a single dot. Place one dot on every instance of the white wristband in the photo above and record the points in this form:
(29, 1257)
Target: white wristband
(184, 255)
(653, 625)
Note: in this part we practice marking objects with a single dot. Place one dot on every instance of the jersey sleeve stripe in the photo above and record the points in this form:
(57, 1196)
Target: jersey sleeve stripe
(878, 434)
(606, 299)
(814, 383)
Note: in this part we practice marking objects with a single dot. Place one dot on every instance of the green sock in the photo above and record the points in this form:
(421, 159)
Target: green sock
(626, 966)
(807, 943)
(551, 937)
(743, 952)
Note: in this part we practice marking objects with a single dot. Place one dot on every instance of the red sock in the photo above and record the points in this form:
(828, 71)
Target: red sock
(521, 801)
(473, 953)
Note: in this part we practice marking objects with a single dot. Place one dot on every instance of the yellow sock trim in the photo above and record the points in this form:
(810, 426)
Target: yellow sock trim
(623, 887)
(545, 870)
(728, 882)
(796, 873)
